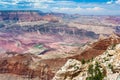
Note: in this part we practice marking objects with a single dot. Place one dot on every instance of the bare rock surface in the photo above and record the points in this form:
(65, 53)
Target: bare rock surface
(109, 62)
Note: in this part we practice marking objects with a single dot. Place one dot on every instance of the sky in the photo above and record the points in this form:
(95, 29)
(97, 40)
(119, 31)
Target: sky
(83, 7)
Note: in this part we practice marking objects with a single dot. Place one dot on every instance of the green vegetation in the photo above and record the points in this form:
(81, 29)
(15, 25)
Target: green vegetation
(76, 67)
(113, 46)
(95, 72)
(106, 59)
(89, 60)
(111, 67)
(83, 61)
(92, 59)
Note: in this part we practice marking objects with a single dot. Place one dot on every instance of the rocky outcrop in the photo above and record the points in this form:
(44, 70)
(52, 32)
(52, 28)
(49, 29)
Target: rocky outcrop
(108, 62)
(69, 70)
(97, 48)
(94, 49)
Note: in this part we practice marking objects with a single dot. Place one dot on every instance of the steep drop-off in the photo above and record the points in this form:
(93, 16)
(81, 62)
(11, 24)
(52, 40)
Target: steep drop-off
(33, 66)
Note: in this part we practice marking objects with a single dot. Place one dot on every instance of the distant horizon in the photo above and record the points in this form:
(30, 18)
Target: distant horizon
(56, 12)
(82, 7)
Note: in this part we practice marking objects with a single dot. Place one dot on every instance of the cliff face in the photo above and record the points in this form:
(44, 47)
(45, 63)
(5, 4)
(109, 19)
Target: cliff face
(117, 30)
(93, 50)
(52, 39)
(113, 19)
(21, 38)
(31, 66)
(27, 66)
(25, 16)
(51, 28)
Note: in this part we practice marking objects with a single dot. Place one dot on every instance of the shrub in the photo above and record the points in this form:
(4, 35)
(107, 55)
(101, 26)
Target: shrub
(111, 67)
(95, 72)
(83, 61)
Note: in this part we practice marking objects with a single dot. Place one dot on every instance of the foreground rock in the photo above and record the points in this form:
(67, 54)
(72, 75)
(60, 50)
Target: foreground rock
(69, 70)
(31, 66)
(109, 63)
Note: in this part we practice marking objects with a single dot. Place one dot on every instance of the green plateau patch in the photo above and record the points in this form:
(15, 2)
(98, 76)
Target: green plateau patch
(39, 46)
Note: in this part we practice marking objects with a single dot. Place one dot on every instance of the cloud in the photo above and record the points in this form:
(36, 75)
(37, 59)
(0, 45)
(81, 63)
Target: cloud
(110, 2)
(26, 1)
(117, 2)
(79, 10)
(8, 2)
(57, 9)
(113, 2)
(95, 9)
(62, 6)
(25, 4)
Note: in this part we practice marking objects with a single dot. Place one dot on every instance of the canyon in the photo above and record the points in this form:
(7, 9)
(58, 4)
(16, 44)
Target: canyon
(35, 45)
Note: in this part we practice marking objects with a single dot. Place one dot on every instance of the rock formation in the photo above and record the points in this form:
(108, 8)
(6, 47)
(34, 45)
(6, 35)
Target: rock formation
(35, 45)
(26, 16)
(25, 65)
(109, 62)
(33, 66)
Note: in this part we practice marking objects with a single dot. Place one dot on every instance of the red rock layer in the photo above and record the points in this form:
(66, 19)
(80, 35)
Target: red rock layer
(19, 65)
(46, 69)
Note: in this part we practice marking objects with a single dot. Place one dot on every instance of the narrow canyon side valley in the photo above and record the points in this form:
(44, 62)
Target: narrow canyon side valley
(36, 45)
